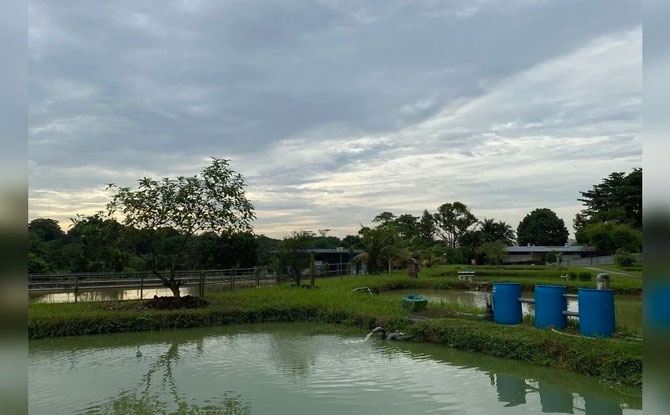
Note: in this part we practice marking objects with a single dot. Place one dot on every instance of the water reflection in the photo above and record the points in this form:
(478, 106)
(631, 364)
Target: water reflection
(158, 392)
(295, 368)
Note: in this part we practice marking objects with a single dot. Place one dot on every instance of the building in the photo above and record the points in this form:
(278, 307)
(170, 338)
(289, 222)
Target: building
(532, 254)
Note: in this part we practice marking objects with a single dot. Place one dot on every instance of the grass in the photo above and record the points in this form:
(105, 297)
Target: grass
(635, 270)
(614, 360)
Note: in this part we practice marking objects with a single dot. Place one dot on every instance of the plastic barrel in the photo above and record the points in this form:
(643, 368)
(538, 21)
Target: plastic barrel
(549, 306)
(506, 305)
(596, 312)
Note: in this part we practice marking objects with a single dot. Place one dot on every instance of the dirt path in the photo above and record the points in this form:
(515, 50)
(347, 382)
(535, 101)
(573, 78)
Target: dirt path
(607, 271)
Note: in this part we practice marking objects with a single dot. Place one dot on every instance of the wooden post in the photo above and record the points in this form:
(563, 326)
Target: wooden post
(257, 274)
(312, 271)
(232, 279)
(202, 284)
(141, 286)
(76, 287)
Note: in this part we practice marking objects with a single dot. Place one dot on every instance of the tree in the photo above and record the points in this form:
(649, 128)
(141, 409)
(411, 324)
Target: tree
(427, 227)
(373, 240)
(213, 200)
(552, 258)
(384, 218)
(493, 252)
(101, 243)
(607, 238)
(618, 198)
(452, 220)
(407, 226)
(46, 229)
(293, 253)
(496, 231)
(542, 227)
(351, 241)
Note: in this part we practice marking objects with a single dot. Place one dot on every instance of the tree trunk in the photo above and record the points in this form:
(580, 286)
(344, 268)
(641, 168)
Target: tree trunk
(174, 287)
(389, 267)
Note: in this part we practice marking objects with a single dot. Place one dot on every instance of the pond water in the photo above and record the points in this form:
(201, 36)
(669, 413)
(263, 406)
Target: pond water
(627, 309)
(297, 368)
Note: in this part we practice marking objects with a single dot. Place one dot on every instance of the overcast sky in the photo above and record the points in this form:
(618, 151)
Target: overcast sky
(336, 110)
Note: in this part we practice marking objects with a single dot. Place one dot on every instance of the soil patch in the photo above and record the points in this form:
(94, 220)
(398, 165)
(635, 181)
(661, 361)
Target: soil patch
(172, 303)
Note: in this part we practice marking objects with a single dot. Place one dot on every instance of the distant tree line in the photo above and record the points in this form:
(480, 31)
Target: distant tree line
(611, 222)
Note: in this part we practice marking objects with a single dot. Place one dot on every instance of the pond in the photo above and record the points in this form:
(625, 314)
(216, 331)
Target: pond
(627, 309)
(297, 368)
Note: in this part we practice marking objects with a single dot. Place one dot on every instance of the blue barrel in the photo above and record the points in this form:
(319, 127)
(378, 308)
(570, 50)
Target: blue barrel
(596, 312)
(506, 305)
(549, 306)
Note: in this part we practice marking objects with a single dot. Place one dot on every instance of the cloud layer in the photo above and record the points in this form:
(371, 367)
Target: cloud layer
(335, 111)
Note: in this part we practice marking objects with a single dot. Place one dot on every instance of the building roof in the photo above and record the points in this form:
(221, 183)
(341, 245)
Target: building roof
(328, 251)
(540, 249)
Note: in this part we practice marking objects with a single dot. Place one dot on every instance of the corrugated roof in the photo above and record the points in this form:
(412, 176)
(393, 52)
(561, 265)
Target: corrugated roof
(539, 249)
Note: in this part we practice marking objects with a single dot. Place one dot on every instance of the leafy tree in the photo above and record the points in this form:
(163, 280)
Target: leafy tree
(542, 227)
(493, 252)
(351, 241)
(101, 243)
(452, 220)
(607, 238)
(426, 227)
(373, 240)
(36, 264)
(617, 199)
(214, 200)
(264, 248)
(496, 231)
(46, 229)
(407, 226)
(552, 258)
(293, 253)
(384, 218)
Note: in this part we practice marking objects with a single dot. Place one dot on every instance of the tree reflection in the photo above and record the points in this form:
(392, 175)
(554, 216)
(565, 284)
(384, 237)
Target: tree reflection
(143, 400)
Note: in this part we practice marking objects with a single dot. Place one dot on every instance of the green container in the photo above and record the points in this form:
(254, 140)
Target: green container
(414, 302)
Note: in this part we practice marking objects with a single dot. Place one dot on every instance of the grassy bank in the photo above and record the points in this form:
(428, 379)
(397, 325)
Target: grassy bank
(613, 360)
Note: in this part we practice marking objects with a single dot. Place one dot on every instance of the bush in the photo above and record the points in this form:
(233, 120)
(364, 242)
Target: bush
(607, 238)
(624, 258)
(585, 276)
(572, 275)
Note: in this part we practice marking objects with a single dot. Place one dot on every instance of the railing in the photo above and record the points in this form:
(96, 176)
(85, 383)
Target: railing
(220, 279)
(597, 260)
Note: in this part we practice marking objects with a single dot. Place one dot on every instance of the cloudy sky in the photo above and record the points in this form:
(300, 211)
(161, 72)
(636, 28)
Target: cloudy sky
(336, 110)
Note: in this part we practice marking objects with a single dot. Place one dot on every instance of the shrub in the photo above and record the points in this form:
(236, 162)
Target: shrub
(585, 276)
(624, 258)
(607, 238)
(572, 275)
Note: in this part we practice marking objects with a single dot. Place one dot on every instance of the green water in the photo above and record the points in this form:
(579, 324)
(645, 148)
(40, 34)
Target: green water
(627, 309)
(296, 368)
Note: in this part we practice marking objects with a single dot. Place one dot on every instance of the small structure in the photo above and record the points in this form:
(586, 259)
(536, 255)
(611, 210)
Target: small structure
(413, 268)
(466, 275)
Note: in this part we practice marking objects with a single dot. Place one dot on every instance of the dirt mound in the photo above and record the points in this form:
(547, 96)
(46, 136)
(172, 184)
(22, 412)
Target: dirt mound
(172, 303)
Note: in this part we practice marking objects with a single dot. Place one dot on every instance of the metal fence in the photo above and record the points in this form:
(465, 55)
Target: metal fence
(597, 260)
(196, 281)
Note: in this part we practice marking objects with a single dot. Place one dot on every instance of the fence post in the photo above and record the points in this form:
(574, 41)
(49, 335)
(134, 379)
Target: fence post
(257, 274)
(76, 287)
(201, 285)
(141, 286)
(232, 279)
(312, 271)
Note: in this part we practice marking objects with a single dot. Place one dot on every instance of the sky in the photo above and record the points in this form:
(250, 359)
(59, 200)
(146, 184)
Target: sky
(335, 111)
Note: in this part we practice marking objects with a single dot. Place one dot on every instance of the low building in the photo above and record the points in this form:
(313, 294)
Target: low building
(531, 254)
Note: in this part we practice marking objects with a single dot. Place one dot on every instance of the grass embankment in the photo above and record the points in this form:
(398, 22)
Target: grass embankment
(613, 360)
